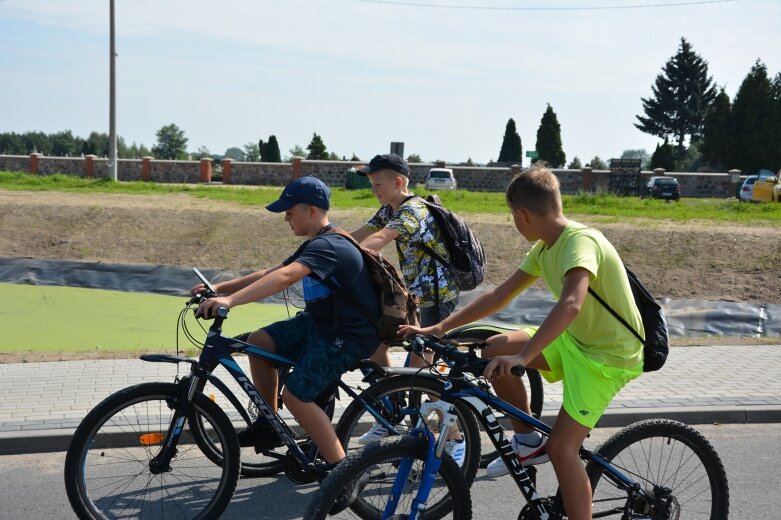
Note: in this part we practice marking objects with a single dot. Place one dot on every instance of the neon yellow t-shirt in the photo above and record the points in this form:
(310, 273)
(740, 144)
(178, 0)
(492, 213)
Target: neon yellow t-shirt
(596, 332)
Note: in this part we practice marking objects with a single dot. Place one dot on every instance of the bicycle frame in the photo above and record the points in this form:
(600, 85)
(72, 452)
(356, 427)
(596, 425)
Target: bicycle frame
(482, 404)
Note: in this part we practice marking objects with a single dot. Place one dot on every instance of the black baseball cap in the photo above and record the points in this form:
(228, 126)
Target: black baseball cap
(304, 190)
(388, 161)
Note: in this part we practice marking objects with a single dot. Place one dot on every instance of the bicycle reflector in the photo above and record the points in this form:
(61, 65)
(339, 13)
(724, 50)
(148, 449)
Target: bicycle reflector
(149, 439)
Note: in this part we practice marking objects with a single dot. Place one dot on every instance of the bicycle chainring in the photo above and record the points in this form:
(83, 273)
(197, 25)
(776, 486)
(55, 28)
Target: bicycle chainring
(530, 513)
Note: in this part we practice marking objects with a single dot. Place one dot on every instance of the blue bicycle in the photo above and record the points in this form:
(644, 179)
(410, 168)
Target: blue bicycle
(654, 469)
(167, 450)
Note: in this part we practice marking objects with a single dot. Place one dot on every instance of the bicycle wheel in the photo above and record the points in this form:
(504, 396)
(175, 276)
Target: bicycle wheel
(107, 466)
(533, 383)
(398, 398)
(673, 463)
(375, 468)
(253, 464)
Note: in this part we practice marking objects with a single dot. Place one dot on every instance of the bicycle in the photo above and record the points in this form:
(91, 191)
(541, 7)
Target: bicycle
(654, 469)
(132, 452)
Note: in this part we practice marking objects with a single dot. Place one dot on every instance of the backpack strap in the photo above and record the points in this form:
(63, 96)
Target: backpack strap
(616, 315)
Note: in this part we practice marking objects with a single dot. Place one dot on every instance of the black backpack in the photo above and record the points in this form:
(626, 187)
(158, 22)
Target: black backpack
(467, 257)
(656, 344)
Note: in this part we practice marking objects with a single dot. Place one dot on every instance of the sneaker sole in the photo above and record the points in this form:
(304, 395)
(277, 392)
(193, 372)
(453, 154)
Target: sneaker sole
(502, 470)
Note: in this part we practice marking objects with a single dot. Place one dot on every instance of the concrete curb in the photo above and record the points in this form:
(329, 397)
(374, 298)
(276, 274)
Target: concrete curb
(43, 441)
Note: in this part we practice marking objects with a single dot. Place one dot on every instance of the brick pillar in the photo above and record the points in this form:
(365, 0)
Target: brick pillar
(227, 164)
(515, 169)
(659, 172)
(297, 168)
(89, 166)
(34, 162)
(206, 170)
(146, 168)
(588, 179)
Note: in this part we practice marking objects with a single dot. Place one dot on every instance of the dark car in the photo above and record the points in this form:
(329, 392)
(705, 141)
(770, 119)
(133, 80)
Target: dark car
(664, 188)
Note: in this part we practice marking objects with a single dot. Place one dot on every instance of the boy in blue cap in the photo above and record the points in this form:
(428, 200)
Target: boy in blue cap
(323, 345)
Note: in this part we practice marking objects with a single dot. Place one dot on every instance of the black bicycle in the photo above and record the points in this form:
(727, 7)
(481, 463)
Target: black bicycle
(655, 469)
(166, 449)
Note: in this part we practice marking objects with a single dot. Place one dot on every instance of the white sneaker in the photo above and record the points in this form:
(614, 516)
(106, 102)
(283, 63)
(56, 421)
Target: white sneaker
(375, 433)
(527, 456)
(457, 450)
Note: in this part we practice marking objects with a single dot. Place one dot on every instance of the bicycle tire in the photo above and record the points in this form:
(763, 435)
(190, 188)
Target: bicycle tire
(379, 462)
(107, 471)
(533, 386)
(661, 452)
(400, 387)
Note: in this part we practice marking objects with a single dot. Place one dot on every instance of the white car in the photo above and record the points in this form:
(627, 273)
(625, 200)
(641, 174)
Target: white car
(747, 189)
(440, 178)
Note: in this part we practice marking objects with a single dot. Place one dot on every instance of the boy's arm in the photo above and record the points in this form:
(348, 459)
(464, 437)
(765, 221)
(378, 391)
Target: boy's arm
(380, 239)
(273, 282)
(560, 317)
(487, 303)
(362, 233)
(231, 286)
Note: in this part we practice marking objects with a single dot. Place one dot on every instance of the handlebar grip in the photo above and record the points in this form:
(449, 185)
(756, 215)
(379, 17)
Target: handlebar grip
(518, 370)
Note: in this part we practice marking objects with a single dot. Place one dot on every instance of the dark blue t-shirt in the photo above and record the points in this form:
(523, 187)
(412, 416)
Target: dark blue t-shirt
(333, 256)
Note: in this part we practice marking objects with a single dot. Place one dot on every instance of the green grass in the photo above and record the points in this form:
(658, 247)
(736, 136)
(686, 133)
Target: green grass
(465, 202)
(69, 319)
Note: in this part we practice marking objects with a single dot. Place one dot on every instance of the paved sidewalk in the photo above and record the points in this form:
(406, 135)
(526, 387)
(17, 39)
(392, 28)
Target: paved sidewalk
(42, 403)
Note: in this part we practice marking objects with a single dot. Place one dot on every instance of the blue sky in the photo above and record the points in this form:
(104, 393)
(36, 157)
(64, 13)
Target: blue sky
(362, 74)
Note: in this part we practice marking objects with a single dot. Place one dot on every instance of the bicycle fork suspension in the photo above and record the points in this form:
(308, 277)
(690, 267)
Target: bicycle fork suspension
(161, 463)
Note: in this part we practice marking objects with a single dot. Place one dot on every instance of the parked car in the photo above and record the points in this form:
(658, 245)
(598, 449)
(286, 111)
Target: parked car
(664, 187)
(767, 188)
(439, 178)
(747, 189)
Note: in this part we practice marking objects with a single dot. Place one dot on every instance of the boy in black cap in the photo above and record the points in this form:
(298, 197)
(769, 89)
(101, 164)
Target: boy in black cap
(323, 347)
(405, 219)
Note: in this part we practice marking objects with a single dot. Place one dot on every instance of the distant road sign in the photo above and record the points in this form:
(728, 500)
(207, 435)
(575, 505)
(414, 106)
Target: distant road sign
(534, 154)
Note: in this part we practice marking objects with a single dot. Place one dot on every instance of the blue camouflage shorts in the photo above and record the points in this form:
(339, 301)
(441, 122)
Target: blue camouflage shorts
(320, 360)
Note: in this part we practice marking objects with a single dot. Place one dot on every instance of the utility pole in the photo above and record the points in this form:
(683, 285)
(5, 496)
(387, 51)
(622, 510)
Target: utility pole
(112, 118)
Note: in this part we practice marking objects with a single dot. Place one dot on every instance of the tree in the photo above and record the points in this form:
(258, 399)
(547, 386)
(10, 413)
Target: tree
(252, 152)
(269, 152)
(752, 113)
(234, 153)
(663, 157)
(718, 133)
(511, 150)
(682, 94)
(171, 143)
(575, 164)
(202, 153)
(355, 158)
(414, 158)
(597, 164)
(296, 151)
(549, 140)
(317, 149)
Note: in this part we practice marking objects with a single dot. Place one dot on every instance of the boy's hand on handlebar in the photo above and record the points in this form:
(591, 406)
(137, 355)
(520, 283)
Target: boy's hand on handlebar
(198, 289)
(405, 331)
(208, 308)
(501, 366)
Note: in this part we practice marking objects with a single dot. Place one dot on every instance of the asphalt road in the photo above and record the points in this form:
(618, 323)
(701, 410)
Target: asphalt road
(31, 486)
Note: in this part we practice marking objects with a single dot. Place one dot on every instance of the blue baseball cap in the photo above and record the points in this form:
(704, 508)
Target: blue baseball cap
(304, 190)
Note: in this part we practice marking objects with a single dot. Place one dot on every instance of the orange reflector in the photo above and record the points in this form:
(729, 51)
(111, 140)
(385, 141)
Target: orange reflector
(148, 439)
(211, 396)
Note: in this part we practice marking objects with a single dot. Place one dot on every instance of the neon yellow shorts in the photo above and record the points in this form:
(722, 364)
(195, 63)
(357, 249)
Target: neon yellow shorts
(589, 385)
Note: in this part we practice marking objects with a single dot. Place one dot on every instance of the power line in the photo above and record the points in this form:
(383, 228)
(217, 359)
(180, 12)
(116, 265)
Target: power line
(578, 8)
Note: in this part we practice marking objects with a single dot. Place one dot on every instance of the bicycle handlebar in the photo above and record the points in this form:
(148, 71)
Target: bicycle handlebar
(466, 361)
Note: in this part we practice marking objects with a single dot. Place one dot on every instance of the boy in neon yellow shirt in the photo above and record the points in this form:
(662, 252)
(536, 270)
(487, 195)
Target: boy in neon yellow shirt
(578, 343)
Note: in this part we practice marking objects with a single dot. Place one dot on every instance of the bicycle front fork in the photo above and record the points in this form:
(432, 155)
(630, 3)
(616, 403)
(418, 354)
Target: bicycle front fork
(161, 463)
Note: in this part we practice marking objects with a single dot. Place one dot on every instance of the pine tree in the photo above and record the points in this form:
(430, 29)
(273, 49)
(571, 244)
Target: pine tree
(317, 149)
(270, 150)
(752, 113)
(682, 94)
(575, 164)
(717, 133)
(549, 140)
(597, 164)
(511, 145)
(663, 157)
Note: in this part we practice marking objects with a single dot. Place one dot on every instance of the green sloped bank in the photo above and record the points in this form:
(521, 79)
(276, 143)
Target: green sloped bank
(69, 319)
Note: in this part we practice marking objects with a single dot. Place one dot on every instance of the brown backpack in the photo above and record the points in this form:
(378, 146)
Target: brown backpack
(397, 305)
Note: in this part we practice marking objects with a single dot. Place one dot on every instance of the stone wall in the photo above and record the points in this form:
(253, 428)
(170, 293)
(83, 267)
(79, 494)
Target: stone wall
(335, 173)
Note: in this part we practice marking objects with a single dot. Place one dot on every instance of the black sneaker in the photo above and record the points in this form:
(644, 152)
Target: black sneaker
(349, 494)
(259, 436)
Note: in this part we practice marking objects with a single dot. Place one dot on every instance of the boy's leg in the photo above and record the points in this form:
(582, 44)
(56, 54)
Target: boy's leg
(563, 449)
(264, 374)
(317, 424)
(381, 356)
